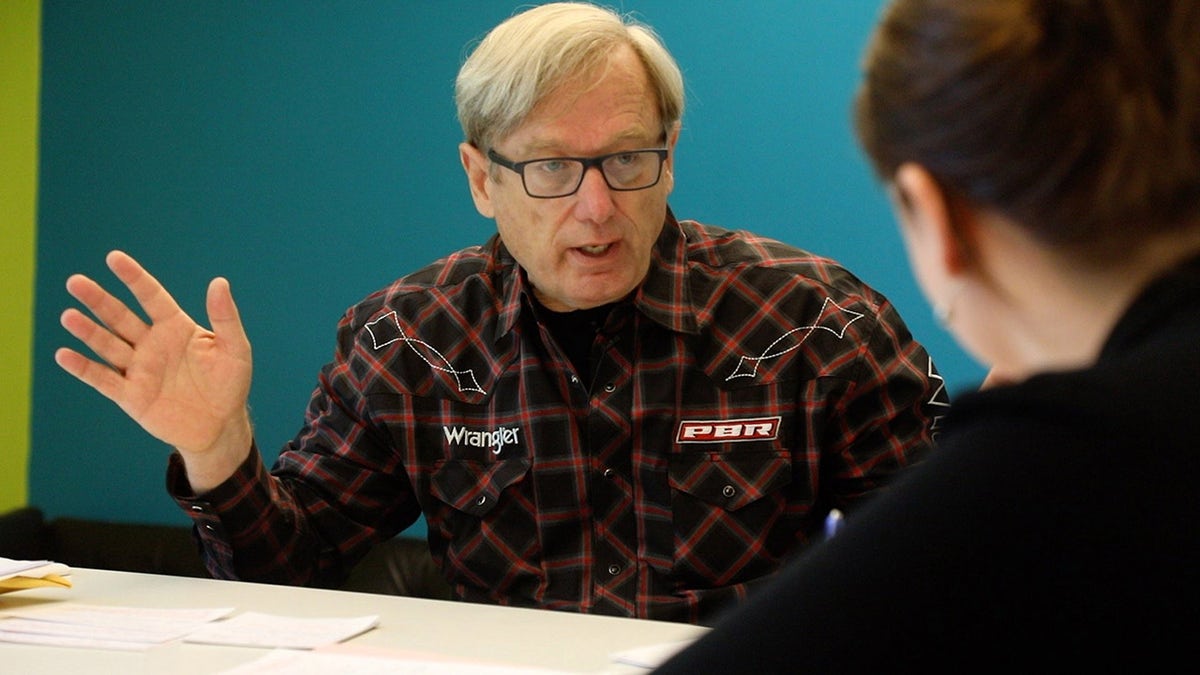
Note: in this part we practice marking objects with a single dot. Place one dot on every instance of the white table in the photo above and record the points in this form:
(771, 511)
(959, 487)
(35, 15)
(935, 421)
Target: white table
(527, 637)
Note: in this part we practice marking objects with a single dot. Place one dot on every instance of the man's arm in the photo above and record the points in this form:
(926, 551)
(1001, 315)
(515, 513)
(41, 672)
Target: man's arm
(184, 384)
(336, 488)
(889, 416)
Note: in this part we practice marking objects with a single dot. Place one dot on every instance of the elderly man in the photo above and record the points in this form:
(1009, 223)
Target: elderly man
(601, 409)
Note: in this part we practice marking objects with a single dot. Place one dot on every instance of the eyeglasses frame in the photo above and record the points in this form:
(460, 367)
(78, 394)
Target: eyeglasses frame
(588, 162)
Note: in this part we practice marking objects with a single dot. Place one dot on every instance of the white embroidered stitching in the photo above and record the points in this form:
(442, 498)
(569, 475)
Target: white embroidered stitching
(737, 371)
(409, 341)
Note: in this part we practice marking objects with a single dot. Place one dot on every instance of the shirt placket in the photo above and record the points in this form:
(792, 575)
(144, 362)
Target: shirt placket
(610, 496)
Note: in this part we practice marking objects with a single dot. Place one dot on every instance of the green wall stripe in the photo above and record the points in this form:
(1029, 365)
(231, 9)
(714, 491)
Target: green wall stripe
(20, 60)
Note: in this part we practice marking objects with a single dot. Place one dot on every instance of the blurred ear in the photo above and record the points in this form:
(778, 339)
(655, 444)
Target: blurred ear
(478, 170)
(669, 166)
(936, 222)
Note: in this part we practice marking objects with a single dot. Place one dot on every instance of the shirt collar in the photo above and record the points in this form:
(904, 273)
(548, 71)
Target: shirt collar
(513, 285)
(663, 296)
(1176, 292)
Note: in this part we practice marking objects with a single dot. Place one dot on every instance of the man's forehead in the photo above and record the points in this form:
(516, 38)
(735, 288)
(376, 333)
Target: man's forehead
(628, 139)
(637, 124)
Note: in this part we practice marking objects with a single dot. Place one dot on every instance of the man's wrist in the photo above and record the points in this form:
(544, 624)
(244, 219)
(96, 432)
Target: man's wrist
(213, 466)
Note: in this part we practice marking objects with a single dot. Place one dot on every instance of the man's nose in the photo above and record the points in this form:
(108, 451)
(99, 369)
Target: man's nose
(594, 198)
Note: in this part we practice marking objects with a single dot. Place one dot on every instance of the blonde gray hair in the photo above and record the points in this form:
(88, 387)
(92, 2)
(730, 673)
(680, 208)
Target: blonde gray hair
(531, 54)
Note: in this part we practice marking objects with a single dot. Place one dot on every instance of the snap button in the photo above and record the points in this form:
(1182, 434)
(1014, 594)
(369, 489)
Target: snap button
(197, 508)
(610, 387)
(614, 570)
(482, 500)
(209, 528)
(608, 473)
(729, 491)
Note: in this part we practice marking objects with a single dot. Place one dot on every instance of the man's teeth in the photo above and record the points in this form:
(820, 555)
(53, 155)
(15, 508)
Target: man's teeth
(594, 250)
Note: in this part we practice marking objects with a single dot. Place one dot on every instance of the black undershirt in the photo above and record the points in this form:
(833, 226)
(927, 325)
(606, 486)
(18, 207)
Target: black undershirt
(575, 331)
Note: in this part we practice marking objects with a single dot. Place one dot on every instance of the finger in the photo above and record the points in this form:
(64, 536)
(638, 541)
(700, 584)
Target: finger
(224, 317)
(112, 349)
(99, 377)
(152, 296)
(113, 313)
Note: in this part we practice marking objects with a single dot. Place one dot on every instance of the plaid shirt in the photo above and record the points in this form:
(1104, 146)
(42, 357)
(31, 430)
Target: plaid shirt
(746, 389)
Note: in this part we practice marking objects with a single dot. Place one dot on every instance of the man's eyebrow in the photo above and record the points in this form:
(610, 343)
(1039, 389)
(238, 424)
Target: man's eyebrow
(555, 148)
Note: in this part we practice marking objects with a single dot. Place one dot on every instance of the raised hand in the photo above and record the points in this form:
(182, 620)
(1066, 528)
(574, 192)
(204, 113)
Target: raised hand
(184, 384)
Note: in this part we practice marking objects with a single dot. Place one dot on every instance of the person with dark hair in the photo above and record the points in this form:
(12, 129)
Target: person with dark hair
(601, 409)
(1044, 159)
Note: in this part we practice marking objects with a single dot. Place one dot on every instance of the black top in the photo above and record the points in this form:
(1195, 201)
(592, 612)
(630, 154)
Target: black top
(575, 331)
(1055, 530)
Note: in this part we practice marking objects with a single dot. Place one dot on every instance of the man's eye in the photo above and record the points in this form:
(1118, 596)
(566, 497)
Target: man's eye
(552, 166)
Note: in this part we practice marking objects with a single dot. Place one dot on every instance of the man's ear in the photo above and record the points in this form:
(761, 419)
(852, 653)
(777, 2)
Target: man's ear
(669, 167)
(934, 217)
(478, 170)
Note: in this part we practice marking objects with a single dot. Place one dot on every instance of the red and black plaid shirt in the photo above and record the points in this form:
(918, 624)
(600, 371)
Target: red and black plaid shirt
(746, 389)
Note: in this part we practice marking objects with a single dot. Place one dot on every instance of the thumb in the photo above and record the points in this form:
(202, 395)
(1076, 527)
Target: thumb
(223, 314)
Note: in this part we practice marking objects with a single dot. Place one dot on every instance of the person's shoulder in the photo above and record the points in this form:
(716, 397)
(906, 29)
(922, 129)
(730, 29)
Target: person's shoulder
(435, 331)
(1101, 410)
(721, 246)
(466, 276)
(760, 297)
(449, 271)
(720, 252)
(717, 247)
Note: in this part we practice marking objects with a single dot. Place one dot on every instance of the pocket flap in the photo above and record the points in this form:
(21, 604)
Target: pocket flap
(730, 480)
(474, 487)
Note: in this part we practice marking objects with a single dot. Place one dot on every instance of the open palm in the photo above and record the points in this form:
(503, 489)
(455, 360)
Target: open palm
(184, 384)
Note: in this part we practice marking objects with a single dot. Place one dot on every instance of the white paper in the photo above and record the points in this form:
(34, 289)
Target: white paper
(122, 618)
(10, 567)
(167, 633)
(324, 663)
(255, 629)
(30, 568)
(66, 641)
(102, 626)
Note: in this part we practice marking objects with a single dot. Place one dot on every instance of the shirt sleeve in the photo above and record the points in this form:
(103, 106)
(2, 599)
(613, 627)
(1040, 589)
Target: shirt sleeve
(229, 513)
(886, 418)
(335, 490)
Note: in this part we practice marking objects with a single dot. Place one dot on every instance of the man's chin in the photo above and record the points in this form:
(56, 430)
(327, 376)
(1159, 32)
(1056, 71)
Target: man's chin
(590, 300)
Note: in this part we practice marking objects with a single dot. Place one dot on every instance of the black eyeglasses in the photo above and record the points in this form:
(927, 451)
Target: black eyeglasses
(561, 176)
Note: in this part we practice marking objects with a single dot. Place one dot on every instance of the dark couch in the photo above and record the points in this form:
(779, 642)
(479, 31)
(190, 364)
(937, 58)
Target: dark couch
(401, 566)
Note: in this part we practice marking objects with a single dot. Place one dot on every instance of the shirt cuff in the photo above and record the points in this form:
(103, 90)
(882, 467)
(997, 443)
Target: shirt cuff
(236, 493)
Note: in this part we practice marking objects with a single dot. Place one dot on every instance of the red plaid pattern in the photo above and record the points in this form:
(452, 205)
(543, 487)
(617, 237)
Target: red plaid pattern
(448, 397)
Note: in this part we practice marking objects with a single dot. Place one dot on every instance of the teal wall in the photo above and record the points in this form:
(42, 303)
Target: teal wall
(307, 151)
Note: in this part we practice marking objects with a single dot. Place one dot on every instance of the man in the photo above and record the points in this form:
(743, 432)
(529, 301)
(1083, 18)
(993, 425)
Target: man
(602, 409)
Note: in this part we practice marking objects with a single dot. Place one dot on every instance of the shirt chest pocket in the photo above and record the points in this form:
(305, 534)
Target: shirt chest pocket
(486, 527)
(729, 481)
(729, 515)
(474, 487)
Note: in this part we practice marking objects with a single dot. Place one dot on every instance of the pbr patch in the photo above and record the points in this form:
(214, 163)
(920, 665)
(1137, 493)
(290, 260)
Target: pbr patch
(728, 431)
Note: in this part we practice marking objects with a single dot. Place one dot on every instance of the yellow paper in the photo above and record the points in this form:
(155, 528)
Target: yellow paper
(19, 583)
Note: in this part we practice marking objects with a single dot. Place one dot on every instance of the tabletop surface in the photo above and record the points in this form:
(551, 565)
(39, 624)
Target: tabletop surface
(496, 635)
